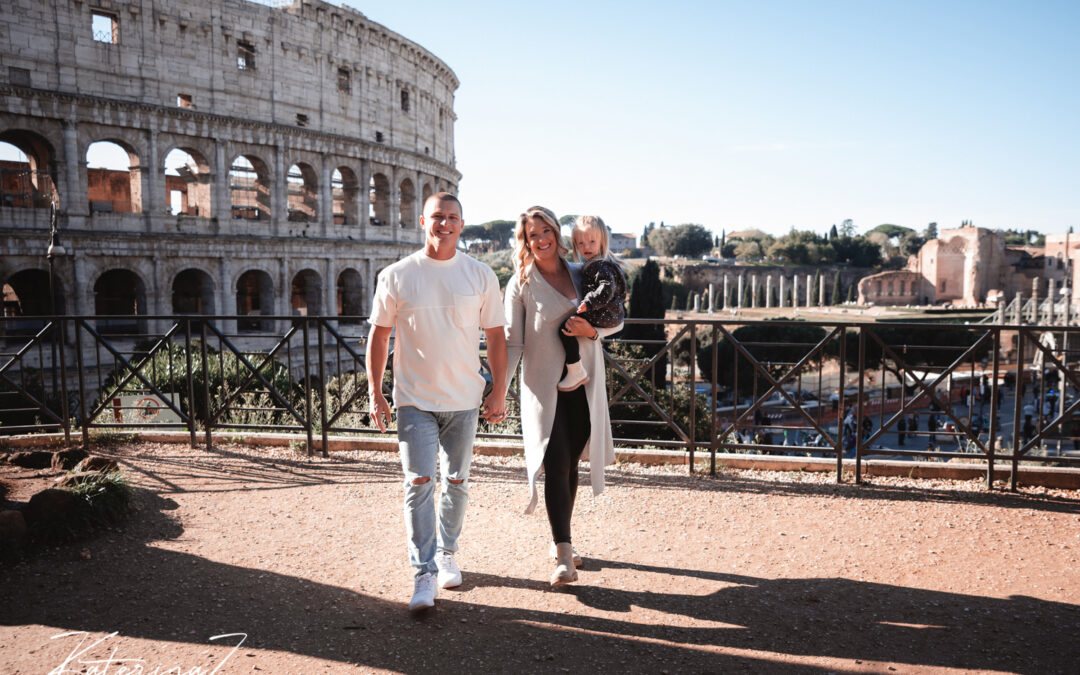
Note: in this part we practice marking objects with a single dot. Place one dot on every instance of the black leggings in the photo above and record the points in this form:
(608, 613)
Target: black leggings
(569, 432)
(570, 345)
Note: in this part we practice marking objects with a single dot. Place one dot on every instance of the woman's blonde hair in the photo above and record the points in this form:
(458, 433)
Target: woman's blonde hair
(523, 255)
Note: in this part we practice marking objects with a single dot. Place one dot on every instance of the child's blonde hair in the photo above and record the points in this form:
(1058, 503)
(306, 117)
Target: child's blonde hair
(593, 223)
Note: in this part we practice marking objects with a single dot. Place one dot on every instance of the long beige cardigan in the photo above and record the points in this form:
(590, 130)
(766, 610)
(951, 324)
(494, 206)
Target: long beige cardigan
(534, 313)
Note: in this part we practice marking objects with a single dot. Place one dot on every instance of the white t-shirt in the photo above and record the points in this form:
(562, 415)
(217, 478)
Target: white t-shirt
(437, 308)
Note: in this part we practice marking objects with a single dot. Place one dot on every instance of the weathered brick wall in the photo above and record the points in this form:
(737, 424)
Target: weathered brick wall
(61, 90)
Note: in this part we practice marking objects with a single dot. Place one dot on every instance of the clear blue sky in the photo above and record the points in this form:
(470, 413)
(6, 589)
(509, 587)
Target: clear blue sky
(765, 113)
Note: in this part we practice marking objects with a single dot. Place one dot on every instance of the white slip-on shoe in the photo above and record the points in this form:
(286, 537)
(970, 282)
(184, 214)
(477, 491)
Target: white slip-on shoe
(553, 553)
(424, 592)
(564, 570)
(449, 574)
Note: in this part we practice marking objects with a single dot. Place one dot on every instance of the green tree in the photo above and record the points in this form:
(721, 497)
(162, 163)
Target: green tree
(892, 231)
(930, 232)
(833, 234)
(689, 240)
(834, 298)
(857, 251)
(815, 288)
(646, 302)
(911, 242)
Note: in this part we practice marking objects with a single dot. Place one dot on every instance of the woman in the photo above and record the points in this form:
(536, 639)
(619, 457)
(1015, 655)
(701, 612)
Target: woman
(559, 428)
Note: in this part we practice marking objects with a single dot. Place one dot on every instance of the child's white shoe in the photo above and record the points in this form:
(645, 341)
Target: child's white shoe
(575, 377)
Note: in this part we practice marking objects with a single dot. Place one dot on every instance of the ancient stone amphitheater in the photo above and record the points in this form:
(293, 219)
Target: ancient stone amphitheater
(277, 156)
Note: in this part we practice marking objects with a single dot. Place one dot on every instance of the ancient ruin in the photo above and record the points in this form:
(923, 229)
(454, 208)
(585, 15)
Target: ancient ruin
(278, 157)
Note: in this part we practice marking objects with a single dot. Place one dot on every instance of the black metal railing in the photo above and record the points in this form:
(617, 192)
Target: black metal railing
(997, 394)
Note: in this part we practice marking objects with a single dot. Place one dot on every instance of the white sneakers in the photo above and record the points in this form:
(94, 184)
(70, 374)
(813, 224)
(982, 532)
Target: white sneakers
(424, 592)
(426, 586)
(449, 574)
(575, 377)
(553, 552)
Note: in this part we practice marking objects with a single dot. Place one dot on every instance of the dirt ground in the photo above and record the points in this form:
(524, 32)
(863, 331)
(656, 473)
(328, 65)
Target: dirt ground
(302, 565)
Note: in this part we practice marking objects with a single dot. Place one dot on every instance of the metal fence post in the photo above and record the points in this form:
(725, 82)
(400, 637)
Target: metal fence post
(82, 385)
(322, 388)
(307, 386)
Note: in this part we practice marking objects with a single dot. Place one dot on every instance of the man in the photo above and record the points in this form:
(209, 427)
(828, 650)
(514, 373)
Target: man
(437, 300)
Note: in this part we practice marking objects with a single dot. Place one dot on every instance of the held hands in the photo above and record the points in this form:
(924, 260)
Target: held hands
(577, 326)
(380, 410)
(494, 407)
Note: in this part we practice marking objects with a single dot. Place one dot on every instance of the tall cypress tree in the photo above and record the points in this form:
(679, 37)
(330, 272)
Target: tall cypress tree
(647, 302)
(835, 299)
(815, 294)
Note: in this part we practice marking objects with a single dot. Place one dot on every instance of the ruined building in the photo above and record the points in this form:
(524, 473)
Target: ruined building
(966, 266)
(278, 157)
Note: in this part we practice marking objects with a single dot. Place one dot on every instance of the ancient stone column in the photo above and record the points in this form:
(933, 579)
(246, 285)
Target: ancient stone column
(1019, 308)
(326, 197)
(395, 203)
(727, 292)
(221, 194)
(1035, 300)
(1050, 302)
(768, 291)
(73, 195)
(279, 197)
(794, 290)
(809, 290)
(697, 302)
(363, 200)
(226, 295)
(780, 300)
(753, 290)
(712, 297)
(329, 289)
(821, 293)
(738, 299)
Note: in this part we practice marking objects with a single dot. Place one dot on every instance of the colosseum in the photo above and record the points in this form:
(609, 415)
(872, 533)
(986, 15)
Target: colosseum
(276, 157)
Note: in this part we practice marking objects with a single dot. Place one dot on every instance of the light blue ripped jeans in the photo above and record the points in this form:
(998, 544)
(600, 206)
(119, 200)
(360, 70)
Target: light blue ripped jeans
(424, 437)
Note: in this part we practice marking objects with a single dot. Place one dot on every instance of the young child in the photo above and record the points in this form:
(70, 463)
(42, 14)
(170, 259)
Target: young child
(604, 287)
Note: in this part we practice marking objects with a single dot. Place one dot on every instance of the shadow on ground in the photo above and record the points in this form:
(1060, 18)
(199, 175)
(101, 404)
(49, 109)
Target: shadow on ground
(142, 591)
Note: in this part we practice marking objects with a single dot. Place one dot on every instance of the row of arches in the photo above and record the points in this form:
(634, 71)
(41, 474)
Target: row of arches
(121, 294)
(116, 179)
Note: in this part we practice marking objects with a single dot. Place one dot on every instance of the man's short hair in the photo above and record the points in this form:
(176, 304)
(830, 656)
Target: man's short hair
(444, 197)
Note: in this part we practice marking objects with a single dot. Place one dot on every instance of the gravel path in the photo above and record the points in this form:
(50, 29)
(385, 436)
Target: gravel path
(745, 572)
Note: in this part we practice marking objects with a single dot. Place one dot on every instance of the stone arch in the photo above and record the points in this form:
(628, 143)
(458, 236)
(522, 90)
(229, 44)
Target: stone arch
(250, 188)
(345, 190)
(407, 204)
(306, 297)
(27, 170)
(193, 292)
(113, 177)
(303, 192)
(350, 296)
(425, 193)
(187, 182)
(379, 201)
(25, 294)
(254, 297)
(120, 294)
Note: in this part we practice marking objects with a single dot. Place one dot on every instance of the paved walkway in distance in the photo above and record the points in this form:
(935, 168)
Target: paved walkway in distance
(744, 572)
